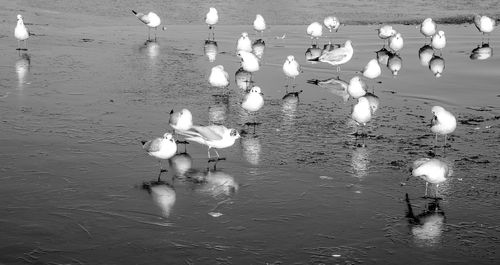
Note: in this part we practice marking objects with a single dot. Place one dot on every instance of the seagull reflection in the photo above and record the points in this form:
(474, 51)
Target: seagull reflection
(258, 47)
(243, 79)
(436, 65)
(163, 195)
(334, 85)
(215, 183)
(383, 56)
(289, 109)
(22, 69)
(313, 53)
(426, 227)
(425, 54)
(181, 164)
(217, 113)
(210, 50)
(150, 48)
(394, 63)
(482, 52)
(251, 149)
(360, 161)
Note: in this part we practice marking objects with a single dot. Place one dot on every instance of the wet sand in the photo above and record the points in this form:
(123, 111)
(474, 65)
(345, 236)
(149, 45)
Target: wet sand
(302, 189)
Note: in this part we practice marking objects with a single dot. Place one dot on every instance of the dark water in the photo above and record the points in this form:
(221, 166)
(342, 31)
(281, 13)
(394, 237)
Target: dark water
(301, 190)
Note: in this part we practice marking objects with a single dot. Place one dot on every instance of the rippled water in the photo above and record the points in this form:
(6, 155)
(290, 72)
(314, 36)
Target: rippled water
(77, 187)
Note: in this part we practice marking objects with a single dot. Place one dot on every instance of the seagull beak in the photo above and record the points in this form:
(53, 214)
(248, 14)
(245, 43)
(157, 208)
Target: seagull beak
(172, 112)
(262, 93)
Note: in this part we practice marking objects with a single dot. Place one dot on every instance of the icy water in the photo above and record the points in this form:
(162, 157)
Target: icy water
(302, 189)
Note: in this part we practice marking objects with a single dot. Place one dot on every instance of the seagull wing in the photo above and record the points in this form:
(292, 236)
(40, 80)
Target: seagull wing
(210, 132)
(333, 55)
(152, 146)
(143, 18)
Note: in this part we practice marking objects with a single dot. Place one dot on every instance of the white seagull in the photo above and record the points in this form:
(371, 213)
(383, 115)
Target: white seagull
(443, 122)
(213, 136)
(181, 120)
(484, 24)
(252, 102)
(315, 30)
(396, 42)
(211, 19)
(362, 112)
(151, 20)
(21, 33)
(259, 24)
(432, 171)
(338, 56)
(244, 43)
(386, 31)
(438, 41)
(332, 23)
(249, 61)
(428, 27)
(372, 69)
(161, 148)
(291, 68)
(219, 77)
(356, 87)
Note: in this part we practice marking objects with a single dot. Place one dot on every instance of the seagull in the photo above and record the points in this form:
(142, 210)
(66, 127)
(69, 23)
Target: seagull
(213, 136)
(219, 77)
(151, 20)
(443, 122)
(484, 24)
(181, 121)
(332, 85)
(244, 43)
(332, 23)
(252, 102)
(438, 41)
(396, 42)
(428, 27)
(432, 171)
(161, 148)
(385, 32)
(249, 61)
(362, 112)
(211, 19)
(372, 69)
(356, 87)
(436, 65)
(259, 24)
(394, 63)
(315, 30)
(338, 56)
(21, 33)
(291, 68)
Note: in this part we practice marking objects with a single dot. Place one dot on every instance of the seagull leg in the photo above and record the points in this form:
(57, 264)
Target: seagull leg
(437, 186)
(426, 184)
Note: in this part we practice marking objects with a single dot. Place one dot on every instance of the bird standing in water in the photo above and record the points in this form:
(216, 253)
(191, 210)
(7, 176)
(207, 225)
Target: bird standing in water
(21, 33)
(151, 20)
(161, 148)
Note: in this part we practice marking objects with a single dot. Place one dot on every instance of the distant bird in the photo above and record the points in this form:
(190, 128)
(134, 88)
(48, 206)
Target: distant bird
(211, 19)
(425, 54)
(21, 33)
(219, 77)
(252, 102)
(315, 30)
(332, 23)
(432, 171)
(151, 20)
(394, 63)
(338, 56)
(436, 65)
(428, 27)
(161, 148)
(443, 122)
(396, 42)
(356, 87)
(259, 24)
(213, 136)
(372, 69)
(385, 32)
(484, 24)
(244, 43)
(249, 61)
(291, 68)
(361, 112)
(438, 41)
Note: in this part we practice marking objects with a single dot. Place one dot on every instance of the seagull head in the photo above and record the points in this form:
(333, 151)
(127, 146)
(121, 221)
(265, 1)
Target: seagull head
(19, 17)
(234, 133)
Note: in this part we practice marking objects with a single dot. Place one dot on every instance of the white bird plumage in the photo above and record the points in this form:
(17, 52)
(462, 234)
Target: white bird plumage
(396, 42)
(338, 56)
(219, 77)
(213, 136)
(21, 33)
(152, 20)
(362, 112)
(484, 24)
(372, 69)
(438, 41)
(432, 171)
(211, 18)
(315, 30)
(332, 23)
(443, 122)
(259, 24)
(249, 61)
(356, 87)
(253, 100)
(291, 67)
(181, 120)
(244, 43)
(161, 148)
(428, 27)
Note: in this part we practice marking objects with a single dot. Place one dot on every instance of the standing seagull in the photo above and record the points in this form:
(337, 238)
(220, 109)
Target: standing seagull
(428, 27)
(21, 33)
(372, 69)
(438, 41)
(211, 19)
(181, 121)
(443, 122)
(362, 112)
(356, 87)
(151, 20)
(244, 43)
(338, 56)
(161, 148)
(213, 136)
(219, 77)
(249, 61)
(252, 102)
(332, 23)
(396, 42)
(434, 171)
(484, 24)
(259, 24)
(291, 68)
(385, 32)
(315, 30)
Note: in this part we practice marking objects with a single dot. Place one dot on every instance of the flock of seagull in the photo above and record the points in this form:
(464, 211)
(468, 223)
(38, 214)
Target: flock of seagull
(432, 170)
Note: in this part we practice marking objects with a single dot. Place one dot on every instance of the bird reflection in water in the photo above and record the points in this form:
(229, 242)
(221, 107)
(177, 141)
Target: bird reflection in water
(217, 112)
(251, 149)
(481, 52)
(313, 53)
(210, 49)
(23, 65)
(360, 161)
(289, 105)
(436, 65)
(425, 54)
(181, 164)
(163, 195)
(394, 63)
(383, 56)
(258, 47)
(151, 48)
(334, 85)
(243, 79)
(216, 183)
(426, 227)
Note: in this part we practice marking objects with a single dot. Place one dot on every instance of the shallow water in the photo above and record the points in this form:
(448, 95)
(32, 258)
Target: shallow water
(303, 189)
